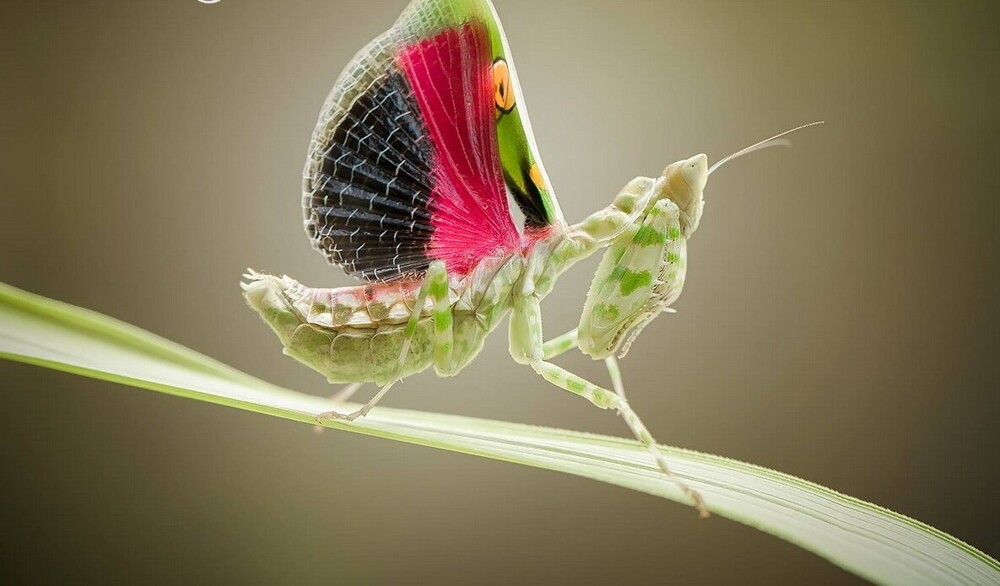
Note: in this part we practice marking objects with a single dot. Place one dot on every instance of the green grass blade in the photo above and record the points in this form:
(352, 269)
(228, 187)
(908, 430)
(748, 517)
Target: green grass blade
(863, 538)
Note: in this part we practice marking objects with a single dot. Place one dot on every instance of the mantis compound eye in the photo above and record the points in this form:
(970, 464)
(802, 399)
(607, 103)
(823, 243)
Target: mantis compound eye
(696, 172)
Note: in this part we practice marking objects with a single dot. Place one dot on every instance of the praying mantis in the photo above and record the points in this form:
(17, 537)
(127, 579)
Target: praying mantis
(406, 187)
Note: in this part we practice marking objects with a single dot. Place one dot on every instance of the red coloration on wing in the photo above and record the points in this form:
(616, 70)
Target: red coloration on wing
(450, 75)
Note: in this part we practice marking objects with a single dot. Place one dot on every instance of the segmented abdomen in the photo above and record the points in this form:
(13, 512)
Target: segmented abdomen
(350, 334)
(355, 334)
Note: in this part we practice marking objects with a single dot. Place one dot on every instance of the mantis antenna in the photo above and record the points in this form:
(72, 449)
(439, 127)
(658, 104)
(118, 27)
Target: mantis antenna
(766, 143)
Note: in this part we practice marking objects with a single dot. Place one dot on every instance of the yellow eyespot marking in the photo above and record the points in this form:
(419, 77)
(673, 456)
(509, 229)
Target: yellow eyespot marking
(503, 93)
(536, 177)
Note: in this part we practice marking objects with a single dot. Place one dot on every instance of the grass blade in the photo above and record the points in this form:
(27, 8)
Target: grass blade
(863, 538)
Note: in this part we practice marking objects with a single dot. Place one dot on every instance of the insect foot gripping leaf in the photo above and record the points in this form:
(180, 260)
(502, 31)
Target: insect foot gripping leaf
(643, 270)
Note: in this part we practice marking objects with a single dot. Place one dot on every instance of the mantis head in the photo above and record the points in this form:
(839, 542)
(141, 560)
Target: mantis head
(684, 181)
(643, 271)
(684, 184)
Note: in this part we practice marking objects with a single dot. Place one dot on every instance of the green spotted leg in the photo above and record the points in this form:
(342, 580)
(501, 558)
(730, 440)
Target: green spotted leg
(561, 344)
(435, 286)
(605, 399)
(527, 347)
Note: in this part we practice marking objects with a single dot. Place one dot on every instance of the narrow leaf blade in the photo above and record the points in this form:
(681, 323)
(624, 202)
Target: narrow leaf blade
(863, 538)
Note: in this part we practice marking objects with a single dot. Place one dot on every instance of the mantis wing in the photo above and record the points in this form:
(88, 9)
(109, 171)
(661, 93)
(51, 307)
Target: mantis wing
(415, 144)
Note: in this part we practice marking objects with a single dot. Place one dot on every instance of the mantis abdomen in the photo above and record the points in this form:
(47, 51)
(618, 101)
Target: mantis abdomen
(369, 333)
(331, 333)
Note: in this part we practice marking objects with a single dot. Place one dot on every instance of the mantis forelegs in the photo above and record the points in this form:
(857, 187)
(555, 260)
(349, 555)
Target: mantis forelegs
(526, 346)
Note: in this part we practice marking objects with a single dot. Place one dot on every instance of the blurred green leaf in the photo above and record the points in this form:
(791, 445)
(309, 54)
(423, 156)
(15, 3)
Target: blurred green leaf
(863, 538)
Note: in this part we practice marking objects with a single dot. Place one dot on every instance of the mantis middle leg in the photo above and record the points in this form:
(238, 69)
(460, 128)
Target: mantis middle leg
(561, 344)
(527, 347)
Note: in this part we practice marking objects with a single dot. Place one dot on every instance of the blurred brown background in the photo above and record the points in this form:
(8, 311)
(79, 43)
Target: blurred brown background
(839, 323)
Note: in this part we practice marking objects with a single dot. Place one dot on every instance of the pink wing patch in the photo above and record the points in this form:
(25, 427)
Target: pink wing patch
(451, 79)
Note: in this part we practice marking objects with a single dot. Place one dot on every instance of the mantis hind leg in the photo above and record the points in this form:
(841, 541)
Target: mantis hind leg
(435, 286)
(342, 396)
(527, 347)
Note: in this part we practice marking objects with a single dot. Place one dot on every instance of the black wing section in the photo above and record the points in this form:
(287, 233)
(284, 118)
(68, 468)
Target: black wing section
(368, 178)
